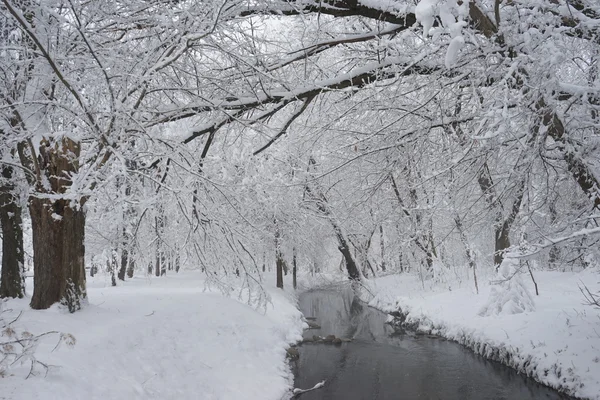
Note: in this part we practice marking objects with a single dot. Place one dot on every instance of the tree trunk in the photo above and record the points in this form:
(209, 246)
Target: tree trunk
(130, 264)
(279, 264)
(58, 254)
(58, 225)
(468, 252)
(157, 264)
(502, 226)
(351, 267)
(343, 246)
(294, 269)
(502, 241)
(12, 281)
(279, 261)
(123, 268)
(124, 254)
(382, 246)
(111, 266)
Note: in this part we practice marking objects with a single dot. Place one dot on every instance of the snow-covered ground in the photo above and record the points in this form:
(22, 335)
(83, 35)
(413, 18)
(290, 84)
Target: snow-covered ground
(160, 338)
(558, 344)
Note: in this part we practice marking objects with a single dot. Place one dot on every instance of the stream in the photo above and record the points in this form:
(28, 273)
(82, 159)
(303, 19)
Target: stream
(383, 364)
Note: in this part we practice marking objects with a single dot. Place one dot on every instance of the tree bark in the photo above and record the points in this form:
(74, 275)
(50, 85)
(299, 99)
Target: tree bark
(58, 254)
(12, 281)
(58, 225)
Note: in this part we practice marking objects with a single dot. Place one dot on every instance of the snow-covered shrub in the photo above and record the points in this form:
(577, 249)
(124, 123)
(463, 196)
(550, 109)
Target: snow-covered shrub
(509, 295)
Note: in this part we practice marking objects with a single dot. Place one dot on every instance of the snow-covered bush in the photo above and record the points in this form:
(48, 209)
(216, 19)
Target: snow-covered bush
(509, 295)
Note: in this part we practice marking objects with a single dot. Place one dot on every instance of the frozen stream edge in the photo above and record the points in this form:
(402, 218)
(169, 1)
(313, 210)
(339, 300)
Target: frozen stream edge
(556, 377)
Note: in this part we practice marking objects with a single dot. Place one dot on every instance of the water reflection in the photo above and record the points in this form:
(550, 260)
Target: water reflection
(381, 364)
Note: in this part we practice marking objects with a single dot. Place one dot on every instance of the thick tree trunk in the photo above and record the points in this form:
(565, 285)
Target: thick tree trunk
(58, 225)
(12, 281)
(58, 254)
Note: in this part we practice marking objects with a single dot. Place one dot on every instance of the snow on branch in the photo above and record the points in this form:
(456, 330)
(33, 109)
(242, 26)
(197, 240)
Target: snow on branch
(320, 47)
(391, 67)
(529, 250)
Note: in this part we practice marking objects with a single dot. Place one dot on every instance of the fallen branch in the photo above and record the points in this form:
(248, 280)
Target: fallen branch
(300, 391)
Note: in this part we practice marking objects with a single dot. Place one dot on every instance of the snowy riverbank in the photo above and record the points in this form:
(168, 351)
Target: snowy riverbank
(558, 344)
(160, 338)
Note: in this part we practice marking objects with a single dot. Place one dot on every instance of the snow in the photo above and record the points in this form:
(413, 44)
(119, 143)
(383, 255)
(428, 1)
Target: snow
(425, 13)
(510, 295)
(558, 344)
(453, 49)
(161, 338)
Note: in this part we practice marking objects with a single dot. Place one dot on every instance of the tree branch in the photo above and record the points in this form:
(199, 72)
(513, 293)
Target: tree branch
(285, 127)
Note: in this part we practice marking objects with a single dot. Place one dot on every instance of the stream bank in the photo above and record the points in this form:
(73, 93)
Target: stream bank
(383, 363)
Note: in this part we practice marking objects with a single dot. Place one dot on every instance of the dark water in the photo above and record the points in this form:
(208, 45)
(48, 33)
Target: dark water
(381, 364)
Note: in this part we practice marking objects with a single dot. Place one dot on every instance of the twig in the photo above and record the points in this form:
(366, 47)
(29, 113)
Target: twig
(591, 299)
(317, 386)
